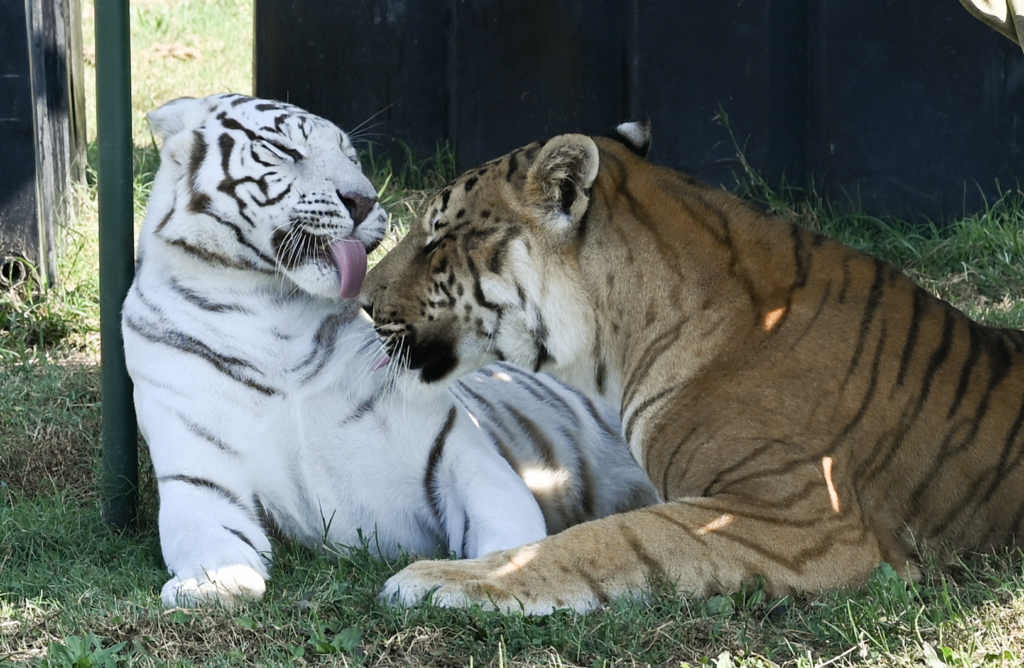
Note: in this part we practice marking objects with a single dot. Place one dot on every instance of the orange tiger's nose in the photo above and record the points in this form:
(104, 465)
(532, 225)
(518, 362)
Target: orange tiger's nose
(358, 206)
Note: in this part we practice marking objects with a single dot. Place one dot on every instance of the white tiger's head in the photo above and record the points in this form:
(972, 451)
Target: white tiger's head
(264, 186)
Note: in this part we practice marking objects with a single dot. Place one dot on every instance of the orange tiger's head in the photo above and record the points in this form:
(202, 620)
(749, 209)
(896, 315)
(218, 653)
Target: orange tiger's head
(476, 278)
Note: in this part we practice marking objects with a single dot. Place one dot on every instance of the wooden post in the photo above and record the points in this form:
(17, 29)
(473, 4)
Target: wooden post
(42, 133)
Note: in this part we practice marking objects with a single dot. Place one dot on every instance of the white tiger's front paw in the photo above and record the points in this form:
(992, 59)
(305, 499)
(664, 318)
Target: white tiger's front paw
(226, 585)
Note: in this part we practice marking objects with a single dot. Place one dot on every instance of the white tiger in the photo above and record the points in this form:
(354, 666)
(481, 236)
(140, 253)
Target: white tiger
(258, 385)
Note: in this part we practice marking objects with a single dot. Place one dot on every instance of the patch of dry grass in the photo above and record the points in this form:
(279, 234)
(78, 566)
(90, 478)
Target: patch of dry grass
(50, 427)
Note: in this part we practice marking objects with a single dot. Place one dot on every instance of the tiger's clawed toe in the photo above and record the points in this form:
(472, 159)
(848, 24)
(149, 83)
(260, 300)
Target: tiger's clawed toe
(227, 585)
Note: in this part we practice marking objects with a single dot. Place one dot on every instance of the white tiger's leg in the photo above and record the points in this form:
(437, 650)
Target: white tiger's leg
(211, 532)
(479, 499)
(212, 543)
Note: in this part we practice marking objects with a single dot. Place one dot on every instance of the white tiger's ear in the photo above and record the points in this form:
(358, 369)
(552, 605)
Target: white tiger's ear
(558, 182)
(180, 115)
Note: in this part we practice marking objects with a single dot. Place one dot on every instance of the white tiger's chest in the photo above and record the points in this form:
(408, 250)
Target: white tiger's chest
(286, 383)
(262, 367)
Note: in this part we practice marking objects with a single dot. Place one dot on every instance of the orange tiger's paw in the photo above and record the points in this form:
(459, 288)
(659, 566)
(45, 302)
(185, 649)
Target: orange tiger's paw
(448, 584)
(496, 581)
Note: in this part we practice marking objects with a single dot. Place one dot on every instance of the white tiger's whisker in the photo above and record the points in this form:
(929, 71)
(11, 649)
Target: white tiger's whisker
(363, 126)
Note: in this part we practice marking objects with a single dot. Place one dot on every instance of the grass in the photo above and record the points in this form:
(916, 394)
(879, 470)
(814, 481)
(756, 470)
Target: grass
(75, 593)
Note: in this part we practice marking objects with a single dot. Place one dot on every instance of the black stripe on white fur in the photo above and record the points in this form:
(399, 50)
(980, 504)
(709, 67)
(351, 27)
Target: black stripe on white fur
(430, 483)
(205, 434)
(216, 488)
(234, 368)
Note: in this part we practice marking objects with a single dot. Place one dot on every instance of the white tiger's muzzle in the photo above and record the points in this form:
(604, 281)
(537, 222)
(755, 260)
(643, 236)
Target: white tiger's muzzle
(329, 236)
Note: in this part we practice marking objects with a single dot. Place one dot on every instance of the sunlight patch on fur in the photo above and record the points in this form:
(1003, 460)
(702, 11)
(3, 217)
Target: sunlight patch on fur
(520, 559)
(826, 465)
(716, 525)
(773, 318)
(545, 481)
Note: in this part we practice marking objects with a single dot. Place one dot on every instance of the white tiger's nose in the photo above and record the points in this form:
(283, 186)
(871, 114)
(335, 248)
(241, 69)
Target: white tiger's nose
(359, 206)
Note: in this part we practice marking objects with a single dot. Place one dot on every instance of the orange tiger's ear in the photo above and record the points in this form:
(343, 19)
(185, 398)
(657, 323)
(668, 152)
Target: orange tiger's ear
(558, 183)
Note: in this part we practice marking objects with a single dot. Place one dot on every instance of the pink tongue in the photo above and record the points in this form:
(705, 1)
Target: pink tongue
(350, 256)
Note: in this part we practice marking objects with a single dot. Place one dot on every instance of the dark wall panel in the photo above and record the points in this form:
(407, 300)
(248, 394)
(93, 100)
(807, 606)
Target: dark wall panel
(521, 70)
(908, 106)
(915, 108)
(743, 59)
(19, 224)
(375, 67)
(42, 131)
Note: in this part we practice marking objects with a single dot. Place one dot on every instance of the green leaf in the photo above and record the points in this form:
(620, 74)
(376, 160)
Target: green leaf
(1006, 656)
(931, 658)
(247, 623)
(324, 647)
(721, 605)
(180, 616)
(79, 652)
(59, 655)
(348, 639)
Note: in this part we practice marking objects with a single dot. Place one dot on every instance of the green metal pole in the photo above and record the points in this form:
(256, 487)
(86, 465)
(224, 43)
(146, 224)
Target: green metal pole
(117, 257)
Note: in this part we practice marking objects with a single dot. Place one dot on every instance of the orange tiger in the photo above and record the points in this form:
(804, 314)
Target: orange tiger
(805, 409)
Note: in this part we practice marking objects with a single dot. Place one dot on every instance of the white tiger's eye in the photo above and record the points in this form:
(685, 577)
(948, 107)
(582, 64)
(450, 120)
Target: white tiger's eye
(349, 150)
(270, 152)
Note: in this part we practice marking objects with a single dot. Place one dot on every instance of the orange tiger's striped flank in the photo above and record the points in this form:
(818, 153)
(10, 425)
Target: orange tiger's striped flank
(806, 409)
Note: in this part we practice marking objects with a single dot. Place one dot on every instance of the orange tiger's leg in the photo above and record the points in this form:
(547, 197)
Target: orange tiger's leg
(701, 546)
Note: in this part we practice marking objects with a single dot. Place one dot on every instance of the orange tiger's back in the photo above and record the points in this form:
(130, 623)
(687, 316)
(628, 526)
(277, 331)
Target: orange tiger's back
(829, 354)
